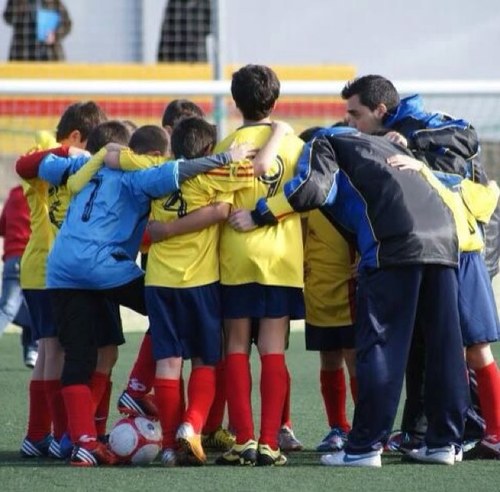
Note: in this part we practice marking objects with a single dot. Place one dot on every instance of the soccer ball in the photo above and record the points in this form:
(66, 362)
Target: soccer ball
(136, 440)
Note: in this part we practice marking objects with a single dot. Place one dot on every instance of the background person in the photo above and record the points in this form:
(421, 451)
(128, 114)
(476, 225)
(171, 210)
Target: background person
(184, 31)
(22, 15)
(15, 229)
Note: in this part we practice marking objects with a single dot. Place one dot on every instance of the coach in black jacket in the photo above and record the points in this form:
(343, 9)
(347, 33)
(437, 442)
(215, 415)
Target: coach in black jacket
(407, 241)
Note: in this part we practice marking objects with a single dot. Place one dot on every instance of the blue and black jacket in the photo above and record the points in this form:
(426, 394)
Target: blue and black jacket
(395, 218)
(446, 144)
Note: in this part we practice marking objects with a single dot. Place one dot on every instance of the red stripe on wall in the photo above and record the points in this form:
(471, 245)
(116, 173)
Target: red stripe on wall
(154, 108)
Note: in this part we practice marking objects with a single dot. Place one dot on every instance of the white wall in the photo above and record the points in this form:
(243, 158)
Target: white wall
(427, 39)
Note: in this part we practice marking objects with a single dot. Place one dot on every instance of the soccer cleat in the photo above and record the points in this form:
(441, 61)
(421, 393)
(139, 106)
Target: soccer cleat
(287, 440)
(144, 406)
(36, 449)
(334, 441)
(404, 442)
(55, 450)
(169, 458)
(341, 458)
(221, 439)
(92, 453)
(445, 455)
(239, 455)
(486, 448)
(266, 456)
(65, 445)
(190, 444)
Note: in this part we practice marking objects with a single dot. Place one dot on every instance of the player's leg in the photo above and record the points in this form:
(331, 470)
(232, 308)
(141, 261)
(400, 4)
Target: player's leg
(75, 314)
(238, 391)
(480, 326)
(273, 386)
(137, 399)
(446, 396)
(110, 336)
(199, 325)
(388, 295)
(49, 372)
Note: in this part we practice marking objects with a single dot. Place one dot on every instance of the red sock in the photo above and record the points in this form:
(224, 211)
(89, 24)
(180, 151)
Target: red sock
(333, 389)
(216, 414)
(142, 375)
(286, 419)
(168, 400)
(354, 389)
(39, 419)
(273, 388)
(57, 407)
(488, 387)
(80, 411)
(238, 391)
(98, 384)
(102, 410)
(182, 395)
(201, 391)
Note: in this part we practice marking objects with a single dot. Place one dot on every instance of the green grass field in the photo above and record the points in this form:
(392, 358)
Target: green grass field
(302, 473)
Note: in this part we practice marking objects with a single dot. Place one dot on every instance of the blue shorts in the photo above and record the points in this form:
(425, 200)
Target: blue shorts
(39, 307)
(185, 322)
(262, 301)
(476, 301)
(326, 338)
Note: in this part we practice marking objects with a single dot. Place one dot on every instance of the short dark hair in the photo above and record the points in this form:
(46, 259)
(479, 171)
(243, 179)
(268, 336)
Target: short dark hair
(255, 89)
(149, 138)
(372, 90)
(193, 137)
(178, 109)
(112, 131)
(82, 116)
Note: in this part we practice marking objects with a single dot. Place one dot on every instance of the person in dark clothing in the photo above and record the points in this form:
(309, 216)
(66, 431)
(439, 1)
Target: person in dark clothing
(31, 41)
(446, 145)
(184, 30)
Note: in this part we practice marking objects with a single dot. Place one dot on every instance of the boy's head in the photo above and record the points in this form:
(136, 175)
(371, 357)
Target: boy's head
(77, 121)
(177, 110)
(149, 139)
(193, 137)
(369, 99)
(255, 89)
(113, 131)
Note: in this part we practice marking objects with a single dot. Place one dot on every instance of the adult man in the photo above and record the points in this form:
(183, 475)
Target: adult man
(450, 146)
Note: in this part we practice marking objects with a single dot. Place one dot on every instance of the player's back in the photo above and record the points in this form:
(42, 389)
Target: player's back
(102, 231)
(268, 255)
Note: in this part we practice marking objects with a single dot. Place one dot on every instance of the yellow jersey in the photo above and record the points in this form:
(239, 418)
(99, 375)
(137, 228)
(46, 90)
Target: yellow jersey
(469, 203)
(329, 279)
(267, 255)
(192, 259)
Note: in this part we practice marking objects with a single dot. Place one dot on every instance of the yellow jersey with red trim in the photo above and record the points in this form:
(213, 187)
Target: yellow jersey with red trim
(192, 259)
(271, 255)
(34, 259)
(36, 190)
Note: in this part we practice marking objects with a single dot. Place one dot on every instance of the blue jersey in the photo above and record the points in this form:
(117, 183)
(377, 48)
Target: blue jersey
(98, 242)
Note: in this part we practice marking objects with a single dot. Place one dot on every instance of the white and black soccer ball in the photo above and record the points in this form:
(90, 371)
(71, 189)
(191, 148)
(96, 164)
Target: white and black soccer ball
(136, 440)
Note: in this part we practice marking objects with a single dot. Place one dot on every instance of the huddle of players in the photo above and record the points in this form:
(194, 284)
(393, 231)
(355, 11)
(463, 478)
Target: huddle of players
(191, 287)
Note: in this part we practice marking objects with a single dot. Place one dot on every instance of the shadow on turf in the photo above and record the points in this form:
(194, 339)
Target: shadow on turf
(13, 458)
